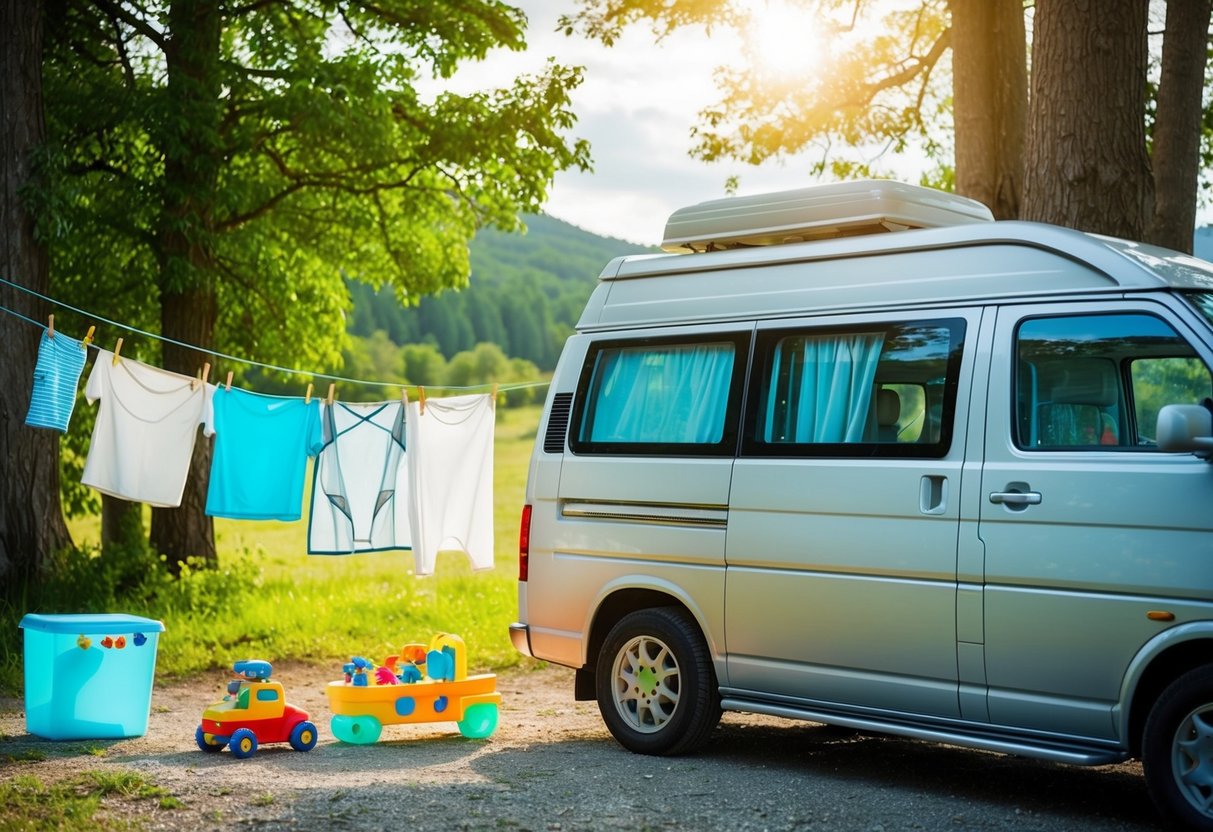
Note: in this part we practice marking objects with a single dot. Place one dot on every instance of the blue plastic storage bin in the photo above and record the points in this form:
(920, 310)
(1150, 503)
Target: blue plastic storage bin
(89, 676)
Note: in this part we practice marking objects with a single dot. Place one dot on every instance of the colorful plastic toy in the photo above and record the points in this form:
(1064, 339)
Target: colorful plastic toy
(426, 686)
(253, 712)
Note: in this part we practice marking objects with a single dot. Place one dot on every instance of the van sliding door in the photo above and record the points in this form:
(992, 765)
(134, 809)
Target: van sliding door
(643, 495)
(844, 513)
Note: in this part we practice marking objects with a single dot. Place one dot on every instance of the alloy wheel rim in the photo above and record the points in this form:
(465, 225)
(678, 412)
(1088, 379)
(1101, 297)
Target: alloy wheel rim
(647, 684)
(1192, 758)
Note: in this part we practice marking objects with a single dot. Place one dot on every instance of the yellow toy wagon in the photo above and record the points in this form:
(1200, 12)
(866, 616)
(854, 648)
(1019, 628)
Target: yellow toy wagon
(419, 685)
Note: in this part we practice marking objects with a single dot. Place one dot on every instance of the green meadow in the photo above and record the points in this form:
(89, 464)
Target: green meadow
(268, 599)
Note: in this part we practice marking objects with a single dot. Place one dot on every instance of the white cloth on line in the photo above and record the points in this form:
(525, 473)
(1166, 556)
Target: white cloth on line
(360, 482)
(450, 468)
(147, 422)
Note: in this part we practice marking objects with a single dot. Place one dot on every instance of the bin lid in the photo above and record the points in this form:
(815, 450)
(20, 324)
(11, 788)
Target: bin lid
(105, 622)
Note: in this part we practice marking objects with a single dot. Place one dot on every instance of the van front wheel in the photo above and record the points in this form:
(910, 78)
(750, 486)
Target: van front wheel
(656, 687)
(1177, 750)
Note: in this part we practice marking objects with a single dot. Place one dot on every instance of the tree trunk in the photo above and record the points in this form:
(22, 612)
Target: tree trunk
(1177, 124)
(31, 517)
(990, 101)
(192, 158)
(1086, 163)
(187, 531)
(121, 522)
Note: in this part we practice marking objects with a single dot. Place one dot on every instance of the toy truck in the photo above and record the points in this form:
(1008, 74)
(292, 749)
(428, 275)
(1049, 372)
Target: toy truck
(419, 685)
(254, 712)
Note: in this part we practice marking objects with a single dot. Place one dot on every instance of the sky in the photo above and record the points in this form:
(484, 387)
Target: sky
(637, 105)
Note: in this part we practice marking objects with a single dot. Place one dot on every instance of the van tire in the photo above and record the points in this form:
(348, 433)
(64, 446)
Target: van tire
(1178, 738)
(656, 687)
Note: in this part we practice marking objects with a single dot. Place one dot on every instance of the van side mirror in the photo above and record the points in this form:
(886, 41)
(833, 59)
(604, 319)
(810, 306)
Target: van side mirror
(1186, 427)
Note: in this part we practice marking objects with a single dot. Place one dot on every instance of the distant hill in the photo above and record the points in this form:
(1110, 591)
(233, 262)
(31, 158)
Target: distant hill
(526, 293)
(1202, 243)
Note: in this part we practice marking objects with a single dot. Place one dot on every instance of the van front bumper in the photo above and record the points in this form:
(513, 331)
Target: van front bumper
(520, 636)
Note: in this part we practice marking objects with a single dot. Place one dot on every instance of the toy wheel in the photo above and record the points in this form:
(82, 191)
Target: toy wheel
(356, 730)
(479, 721)
(303, 736)
(206, 741)
(243, 743)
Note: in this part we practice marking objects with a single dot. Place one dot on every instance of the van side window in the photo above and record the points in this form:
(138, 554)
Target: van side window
(882, 390)
(660, 397)
(1098, 381)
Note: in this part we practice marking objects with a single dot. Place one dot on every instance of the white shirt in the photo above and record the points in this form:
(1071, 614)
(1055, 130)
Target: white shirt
(146, 425)
(450, 467)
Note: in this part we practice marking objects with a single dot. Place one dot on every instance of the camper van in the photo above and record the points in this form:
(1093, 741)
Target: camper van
(860, 455)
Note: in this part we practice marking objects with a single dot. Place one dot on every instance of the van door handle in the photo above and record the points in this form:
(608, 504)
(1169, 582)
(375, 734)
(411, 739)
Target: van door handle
(1015, 498)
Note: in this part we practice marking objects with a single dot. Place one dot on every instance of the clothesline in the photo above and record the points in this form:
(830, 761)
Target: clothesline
(247, 361)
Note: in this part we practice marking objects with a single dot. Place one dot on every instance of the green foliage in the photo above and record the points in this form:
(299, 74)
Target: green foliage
(877, 87)
(253, 152)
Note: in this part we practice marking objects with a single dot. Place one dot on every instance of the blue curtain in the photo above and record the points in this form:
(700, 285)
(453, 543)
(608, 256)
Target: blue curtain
(675, 394)
(825, 392)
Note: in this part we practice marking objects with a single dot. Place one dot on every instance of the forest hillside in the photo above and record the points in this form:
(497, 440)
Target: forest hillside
(526, 293)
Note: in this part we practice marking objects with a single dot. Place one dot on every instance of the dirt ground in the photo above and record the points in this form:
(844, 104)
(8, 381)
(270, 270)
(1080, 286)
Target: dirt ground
(551, 765)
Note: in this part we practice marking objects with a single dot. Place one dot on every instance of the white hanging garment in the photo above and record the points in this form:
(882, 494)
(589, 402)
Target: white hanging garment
(360, 486)
(146, 426)
(450, 468)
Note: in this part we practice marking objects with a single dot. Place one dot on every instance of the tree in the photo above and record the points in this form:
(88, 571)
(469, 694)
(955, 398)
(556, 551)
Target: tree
(990, 101)
(883, 90)
(1177, 126)
(31, 521)
(245, 153)
(1085, 143)
(1087, 165)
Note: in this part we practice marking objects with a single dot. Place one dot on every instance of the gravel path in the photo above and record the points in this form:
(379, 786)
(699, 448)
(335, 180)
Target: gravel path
(551, 765)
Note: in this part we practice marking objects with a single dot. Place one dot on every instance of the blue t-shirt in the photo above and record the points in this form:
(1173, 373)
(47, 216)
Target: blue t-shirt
(261, 448)
(56, 377)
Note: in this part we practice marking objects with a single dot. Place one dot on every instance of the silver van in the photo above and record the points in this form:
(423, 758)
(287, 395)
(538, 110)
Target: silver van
(862, 456)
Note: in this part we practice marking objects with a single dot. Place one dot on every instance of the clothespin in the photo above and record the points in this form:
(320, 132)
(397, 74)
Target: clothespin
(308, 398)
(203, 375)
(228, 385)
(117, 351)
(421, 395)
(88, 339)
(404, 397)
(494, 395)
(329, 400)
(50, 326)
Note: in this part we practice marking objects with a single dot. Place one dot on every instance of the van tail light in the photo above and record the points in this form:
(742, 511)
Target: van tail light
(524, 545)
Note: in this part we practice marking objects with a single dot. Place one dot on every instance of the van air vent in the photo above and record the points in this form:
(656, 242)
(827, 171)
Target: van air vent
(558, 423)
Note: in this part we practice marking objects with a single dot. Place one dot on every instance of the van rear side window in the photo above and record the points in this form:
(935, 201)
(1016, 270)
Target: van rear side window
(883, 390)
(660, 397)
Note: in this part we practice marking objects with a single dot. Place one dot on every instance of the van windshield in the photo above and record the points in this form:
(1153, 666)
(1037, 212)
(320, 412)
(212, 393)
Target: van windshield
(1203, 301)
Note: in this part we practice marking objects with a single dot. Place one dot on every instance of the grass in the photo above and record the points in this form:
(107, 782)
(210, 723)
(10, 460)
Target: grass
(270, 600)
(26, 803)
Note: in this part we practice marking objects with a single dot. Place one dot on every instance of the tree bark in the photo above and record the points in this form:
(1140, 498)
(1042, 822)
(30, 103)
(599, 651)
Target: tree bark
(121, 523)
(188, 531)
(990, 101)
(192, 158)
(1177, 125)
(1086, 163)
(32, 527)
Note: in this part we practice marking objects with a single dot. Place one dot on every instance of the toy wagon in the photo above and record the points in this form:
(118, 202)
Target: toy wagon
(419, 685)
